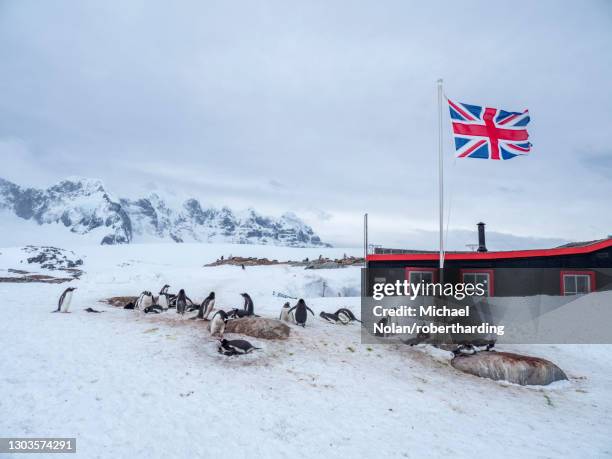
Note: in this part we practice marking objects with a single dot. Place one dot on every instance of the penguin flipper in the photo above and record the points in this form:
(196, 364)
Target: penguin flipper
(310, 311)
(289, 311)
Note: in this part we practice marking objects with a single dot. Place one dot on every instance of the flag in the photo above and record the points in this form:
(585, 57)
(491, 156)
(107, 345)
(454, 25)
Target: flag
(488, 133)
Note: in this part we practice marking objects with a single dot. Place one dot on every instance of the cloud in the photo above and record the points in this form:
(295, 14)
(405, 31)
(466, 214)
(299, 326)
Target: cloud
(316, 105)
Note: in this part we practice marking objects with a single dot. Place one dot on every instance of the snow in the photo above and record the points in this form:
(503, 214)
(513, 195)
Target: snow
(130, 385)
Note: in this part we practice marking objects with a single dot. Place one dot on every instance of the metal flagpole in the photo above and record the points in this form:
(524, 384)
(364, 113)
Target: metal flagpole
(441, 176)
(365, 240)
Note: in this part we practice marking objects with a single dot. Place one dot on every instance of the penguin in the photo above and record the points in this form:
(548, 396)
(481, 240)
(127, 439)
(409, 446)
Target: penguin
(217, 324)
(237, 313)
(65, 299)
(144, 300)
(235, 347)
(154, 308)
(284, 314)
(332, 318)
(206, 307)
(181, 302)
(249, 307)
(346, 315)
(170, 298)
(300, 313)
(162, 301)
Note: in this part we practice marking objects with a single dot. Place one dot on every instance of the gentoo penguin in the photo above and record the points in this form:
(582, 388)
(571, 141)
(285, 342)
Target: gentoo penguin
(332, 318)
(162, 301)
(237, 313)
(207, 306)
(284, 314)
(64, 300)
(144, 300)
(181, 302)
(300, 313)
(249, 307)
(346, 315)
(217, 324)
(170, 298)
(235, 346)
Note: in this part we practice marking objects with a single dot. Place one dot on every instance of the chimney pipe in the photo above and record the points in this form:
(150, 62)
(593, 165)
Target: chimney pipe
(482, 246)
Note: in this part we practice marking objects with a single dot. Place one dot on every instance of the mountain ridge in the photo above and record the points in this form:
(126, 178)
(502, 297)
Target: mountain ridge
(85, 206)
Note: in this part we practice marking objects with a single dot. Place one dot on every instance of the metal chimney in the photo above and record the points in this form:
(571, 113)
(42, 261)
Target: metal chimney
(482, 245)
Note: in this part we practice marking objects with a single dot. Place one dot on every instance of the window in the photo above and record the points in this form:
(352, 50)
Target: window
(577, 282)
(479, 276)
(418, 275)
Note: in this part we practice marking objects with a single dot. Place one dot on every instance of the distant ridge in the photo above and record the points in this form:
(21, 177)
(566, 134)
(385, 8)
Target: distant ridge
(84, 206)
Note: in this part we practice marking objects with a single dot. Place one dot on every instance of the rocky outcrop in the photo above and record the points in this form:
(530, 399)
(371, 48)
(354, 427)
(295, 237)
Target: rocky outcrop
(514, 368)
(258, 327)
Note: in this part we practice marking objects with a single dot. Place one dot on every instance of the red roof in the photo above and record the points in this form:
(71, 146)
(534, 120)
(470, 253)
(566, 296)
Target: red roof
(558, 251)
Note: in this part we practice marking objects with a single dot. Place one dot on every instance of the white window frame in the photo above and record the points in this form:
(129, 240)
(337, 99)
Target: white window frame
(566, 291)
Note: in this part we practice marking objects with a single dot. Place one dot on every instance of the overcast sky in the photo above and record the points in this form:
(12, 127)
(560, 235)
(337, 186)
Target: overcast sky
(325, 108)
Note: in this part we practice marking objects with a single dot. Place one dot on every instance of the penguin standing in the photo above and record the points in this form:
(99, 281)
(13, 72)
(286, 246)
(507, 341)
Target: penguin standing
(64, 300)
(207, 306)
(217, 324)
(249, 307)
(144, 300)
(181, 302)
(235, 346)
(300, 312)
(162, 301)
(284, 314)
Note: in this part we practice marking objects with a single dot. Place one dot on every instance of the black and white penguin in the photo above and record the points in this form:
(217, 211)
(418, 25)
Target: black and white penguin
(249, 307)
(144, 300)
(65, 299)
(284, 314)
(346, 315)
(331, 318)
(181, 302)
(207, 306)
(237, 313)
(217, 324)
(162, 301)
(235, 347)
(300, 312)
(170, 298)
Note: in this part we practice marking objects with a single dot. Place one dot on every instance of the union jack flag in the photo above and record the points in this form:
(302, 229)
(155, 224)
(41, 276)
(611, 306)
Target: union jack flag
(488, 133)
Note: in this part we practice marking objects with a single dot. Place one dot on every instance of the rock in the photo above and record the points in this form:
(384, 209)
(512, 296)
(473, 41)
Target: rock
(514, 368)
(258, 327)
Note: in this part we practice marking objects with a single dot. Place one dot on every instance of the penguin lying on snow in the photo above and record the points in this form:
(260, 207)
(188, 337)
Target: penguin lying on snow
(346, 315)
(237, 313)
(153, 309)
(332, 318)
(65, 299)
(299, 314)
(217, 324)
(235, 347)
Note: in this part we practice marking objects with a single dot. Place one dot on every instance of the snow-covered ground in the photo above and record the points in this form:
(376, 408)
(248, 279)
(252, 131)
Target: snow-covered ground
(130, 385)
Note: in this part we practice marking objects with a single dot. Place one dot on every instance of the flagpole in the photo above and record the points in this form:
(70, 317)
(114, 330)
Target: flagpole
(441, 176)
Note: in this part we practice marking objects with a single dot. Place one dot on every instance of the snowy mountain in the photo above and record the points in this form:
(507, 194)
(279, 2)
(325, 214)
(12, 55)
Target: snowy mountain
(85, 207)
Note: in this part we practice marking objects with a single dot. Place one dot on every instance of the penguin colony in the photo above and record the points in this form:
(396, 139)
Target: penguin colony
(150, 304)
